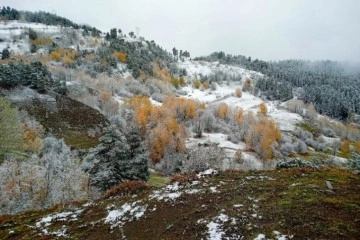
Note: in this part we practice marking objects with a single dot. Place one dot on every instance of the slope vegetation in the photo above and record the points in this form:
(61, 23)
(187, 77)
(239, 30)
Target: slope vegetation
(285, 204)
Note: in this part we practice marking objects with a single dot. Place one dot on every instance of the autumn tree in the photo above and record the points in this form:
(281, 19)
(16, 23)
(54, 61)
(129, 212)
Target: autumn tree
(143, 109)
(262, 108)
(182, 81)
(205, 85)
(223, 111)
(120, 56)
(261, 136)
(197, 84)
(32, 133)
(247, 85)
(238, 115)
(238, 92)
(345, 149)
(357, 147)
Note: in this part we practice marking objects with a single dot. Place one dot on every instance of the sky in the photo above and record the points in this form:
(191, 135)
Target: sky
(263, 29)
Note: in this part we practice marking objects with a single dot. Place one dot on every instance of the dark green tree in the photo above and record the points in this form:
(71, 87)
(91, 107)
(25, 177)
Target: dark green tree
(117, 158)
(32, 34)
(113, 33)
(5, 53)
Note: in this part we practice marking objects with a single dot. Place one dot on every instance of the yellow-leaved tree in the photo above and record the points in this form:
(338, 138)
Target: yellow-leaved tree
(263, 108)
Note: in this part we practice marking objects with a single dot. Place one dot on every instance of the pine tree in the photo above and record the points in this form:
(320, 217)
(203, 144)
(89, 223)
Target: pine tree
(5, 53)
(118, 157)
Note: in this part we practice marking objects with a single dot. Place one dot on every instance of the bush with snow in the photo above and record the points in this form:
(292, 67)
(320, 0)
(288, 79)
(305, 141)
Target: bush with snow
(202, 158)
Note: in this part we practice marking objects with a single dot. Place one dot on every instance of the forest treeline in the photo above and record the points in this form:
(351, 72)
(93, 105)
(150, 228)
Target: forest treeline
(330, 86)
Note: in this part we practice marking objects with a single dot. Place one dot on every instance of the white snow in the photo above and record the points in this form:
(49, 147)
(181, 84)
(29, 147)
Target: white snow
(207, 172)
(170, 192)
(215, 230)
(223, 94)
(195, 68)
(213, 190)
(238, 205)
(127, 212)
(192, 191)
(260, 237)
(45, 222)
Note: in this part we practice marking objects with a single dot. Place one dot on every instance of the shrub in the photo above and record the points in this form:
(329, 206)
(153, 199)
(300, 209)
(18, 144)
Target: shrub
(238, 92)
(303, 135)
(263, 109)
(205, 85)
(329, 132)
(293, 163)
(197, 84)
(248, 85)
(126, 188)
(183, 178)
(202, 158)
(170, 163)
(345, 149)
(287, 149)
(223, 111)
(55, 56)
(300, 147)
(354, 163)
(238, 157)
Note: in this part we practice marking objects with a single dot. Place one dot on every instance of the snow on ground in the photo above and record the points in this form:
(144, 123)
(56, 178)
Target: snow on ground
(127, 212)
(171, 192)
(47, 221)
(286, 120)
(13, 34)
(214, 227)
(195, 68)
(223, 94)
(277, 234)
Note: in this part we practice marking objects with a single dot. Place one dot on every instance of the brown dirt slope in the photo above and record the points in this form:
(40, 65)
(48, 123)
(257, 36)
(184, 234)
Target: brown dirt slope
(231, 205)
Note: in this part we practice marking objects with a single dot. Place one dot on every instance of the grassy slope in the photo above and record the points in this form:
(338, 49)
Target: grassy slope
(66, 118)
(294, 202)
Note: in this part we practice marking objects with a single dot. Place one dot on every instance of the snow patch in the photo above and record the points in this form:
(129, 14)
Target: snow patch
(260, 237)
(45, 222)
(215, 230)
(170, 192)
(127, 212)
(207, 172)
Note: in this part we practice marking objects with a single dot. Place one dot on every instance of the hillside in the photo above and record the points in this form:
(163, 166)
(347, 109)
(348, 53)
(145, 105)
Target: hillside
(93, 125)
(61, 116)
(285, 204)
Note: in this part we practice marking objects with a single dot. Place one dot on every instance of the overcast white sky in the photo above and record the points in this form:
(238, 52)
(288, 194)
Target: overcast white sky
(264, 29)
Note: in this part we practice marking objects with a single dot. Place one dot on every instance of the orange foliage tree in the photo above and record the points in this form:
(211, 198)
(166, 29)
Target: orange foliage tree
(163, 125)
(197, 84)
(143, 109)
(357, 147)
(239, 115)
(345, 148)
(223, 111)
(121, 56)
(261, 136)
(263, 108)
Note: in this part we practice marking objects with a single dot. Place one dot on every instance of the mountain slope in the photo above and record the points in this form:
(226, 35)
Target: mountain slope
(61, 116)
(286, 204)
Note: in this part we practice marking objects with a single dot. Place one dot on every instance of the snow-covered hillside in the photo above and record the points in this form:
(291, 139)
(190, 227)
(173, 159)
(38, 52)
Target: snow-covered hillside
(196, 68)
(224, 93)
(14, 35)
